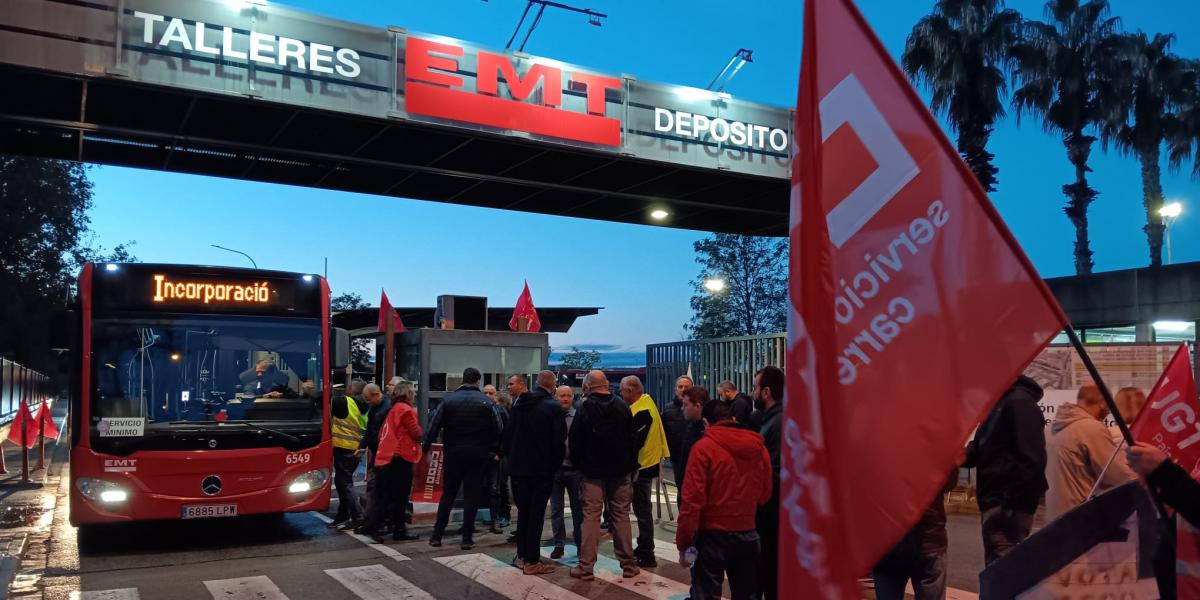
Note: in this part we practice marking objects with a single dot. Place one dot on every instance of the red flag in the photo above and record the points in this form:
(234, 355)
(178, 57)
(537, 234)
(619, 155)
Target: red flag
(913, 308)
(26, 421)
(385, 307)
(525, 309)
(43, 417)
(1170, 420)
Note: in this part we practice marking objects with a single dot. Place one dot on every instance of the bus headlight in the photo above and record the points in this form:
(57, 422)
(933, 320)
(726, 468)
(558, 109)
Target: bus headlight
(312, 480)
(99, 490)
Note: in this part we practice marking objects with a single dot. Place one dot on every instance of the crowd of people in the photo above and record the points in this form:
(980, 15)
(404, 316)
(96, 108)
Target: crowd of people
(601, 454)
(1020, 465)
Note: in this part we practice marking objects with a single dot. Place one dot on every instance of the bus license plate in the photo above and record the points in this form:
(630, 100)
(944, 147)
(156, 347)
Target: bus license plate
(204, 511)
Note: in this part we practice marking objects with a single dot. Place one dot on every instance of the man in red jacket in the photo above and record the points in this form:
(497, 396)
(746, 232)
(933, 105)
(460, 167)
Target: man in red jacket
(728, 476)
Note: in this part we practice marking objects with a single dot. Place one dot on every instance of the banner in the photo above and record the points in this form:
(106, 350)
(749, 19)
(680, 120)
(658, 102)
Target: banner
(913, 308)
(427, 476)
(1061, 372)
(1101, 549)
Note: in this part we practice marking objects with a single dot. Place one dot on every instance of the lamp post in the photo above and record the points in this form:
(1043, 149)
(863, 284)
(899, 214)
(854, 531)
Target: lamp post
(1169, 213)
(236, 252)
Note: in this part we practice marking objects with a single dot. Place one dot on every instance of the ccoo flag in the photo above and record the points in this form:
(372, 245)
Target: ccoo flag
(385, 308)
(913, 308)
(525, 310)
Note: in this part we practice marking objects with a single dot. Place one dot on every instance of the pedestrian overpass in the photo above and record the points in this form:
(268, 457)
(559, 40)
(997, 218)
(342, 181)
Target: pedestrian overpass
(250, 90)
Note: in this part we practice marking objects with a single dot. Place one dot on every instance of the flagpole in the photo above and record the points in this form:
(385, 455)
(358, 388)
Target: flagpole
(389, 352)
(1126, 435)
(1104, 391)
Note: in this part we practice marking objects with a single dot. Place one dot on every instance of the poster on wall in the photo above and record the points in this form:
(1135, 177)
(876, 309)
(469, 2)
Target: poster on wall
(1060, 371)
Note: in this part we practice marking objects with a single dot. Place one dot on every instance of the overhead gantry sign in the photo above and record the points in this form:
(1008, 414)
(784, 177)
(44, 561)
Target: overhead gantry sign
(264, 92)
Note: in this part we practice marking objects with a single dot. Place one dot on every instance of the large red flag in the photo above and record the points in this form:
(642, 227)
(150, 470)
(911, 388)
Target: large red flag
(385, 308)
(25, 421)
(913, 308)
(1170, 419)
(525, 309)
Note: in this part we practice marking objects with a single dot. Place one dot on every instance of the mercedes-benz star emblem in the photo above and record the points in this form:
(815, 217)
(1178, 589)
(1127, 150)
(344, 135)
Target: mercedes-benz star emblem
(211, 485)
(212, 443)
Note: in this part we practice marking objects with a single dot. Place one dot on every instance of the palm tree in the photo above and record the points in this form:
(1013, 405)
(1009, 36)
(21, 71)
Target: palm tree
(1156, 84)
(1183, 133)
(960, 52)
(1066, 69)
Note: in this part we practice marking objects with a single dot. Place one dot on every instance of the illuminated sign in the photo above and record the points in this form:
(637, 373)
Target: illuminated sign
(262, 48)
(205, 291)
(432, 89)
(720, 130)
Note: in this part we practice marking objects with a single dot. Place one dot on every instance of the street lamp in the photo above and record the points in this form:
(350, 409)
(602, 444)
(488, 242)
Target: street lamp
(714, 284)
(1169, 213)
(236, 252)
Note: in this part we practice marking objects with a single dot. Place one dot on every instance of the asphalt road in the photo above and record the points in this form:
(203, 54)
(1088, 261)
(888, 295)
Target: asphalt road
(296, 557)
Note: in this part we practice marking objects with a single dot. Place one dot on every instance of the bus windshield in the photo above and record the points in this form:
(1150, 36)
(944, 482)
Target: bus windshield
(171, 370)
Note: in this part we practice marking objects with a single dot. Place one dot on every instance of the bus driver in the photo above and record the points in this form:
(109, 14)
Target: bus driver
(266, 382)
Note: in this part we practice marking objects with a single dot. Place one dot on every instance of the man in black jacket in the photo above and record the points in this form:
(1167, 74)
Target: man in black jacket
(534, 443)
(470, 431)
(675, 426)
(741, 404)
(602, 448)
(768, 399)
(377, 411)
(1009, 455)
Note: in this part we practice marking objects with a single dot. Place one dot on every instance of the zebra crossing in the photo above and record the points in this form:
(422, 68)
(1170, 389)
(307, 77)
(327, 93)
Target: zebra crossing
(379, 582)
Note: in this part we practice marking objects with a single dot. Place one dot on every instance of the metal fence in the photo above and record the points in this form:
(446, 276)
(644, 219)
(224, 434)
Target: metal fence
(21, 384)
(711, 361)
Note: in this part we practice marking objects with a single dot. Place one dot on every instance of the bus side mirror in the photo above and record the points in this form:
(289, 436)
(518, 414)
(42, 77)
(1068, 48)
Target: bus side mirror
(341, 348)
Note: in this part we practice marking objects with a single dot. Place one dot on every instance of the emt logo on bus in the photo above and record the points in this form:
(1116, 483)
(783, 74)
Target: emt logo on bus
(204, 291)
(433, 89)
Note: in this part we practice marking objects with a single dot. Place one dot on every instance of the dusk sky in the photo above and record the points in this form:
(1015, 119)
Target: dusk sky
(639, 274)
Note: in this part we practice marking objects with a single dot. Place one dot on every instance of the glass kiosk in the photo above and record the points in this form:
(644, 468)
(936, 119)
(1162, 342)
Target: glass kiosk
(436, 358)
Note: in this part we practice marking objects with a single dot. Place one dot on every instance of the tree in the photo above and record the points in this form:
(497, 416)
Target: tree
(43, 222)
(361, 349)
(1183, 137)
(1156, 83)
(582, 360)
(348, 301)
(754, 298)
(960, 51)
(1067, 70)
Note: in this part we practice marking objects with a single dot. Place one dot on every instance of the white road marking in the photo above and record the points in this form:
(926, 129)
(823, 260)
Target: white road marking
(647, 583)
(244, 588)
(504, 579)
(377, 582)
(119, 594)
(383, 549)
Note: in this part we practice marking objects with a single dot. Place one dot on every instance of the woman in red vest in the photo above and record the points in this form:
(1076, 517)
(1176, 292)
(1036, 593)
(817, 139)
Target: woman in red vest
(399, 450)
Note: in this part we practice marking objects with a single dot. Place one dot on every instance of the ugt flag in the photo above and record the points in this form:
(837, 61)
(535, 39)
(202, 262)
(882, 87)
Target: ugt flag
(1169, 419)
(913, 308)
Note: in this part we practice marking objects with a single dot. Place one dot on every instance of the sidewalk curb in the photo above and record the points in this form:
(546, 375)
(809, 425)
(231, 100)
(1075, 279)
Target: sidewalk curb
(10, 562)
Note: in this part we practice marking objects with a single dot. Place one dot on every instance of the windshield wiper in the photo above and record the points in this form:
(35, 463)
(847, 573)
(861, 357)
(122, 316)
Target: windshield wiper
(287, 437)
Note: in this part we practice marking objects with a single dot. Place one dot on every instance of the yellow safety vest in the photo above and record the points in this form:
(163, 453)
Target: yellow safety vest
(655, 449)
(348, 432)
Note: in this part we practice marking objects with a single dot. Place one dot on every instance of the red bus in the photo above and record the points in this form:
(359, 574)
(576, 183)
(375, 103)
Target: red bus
(199, 392)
